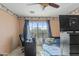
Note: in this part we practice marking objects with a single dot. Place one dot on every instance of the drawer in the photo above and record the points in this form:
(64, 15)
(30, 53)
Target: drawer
(74, 54)
(74, 39)
(74, 49)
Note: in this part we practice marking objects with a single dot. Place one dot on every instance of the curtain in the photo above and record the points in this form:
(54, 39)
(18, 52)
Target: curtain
(25, 30)
(49, 27)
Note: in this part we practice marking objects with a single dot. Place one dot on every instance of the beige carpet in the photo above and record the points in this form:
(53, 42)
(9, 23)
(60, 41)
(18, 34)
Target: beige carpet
(17, 52)
(39, 51)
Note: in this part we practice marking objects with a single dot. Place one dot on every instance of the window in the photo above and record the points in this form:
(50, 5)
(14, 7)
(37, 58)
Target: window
(38, 29)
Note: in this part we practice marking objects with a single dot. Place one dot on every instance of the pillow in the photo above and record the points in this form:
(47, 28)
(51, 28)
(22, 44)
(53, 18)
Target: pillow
(49, 41)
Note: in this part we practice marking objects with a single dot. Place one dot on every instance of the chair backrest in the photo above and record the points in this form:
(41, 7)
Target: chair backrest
(21, 38)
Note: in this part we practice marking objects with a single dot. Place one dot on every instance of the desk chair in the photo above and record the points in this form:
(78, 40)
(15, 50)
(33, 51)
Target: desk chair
(22, 42)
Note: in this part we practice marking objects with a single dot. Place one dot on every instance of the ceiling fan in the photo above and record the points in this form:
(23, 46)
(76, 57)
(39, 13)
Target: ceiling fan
(54, 5)
(50, 4)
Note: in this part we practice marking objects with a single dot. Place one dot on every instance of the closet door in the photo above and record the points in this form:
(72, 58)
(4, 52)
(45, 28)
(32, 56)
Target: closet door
(55, 27)
(74, 44)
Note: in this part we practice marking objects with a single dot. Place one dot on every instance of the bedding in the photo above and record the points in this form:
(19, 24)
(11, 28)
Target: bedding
(52, 49)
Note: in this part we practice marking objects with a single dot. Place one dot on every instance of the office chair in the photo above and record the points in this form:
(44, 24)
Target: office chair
(22, 42)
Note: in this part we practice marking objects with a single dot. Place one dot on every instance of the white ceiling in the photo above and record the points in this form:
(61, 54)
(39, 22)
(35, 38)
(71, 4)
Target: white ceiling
(23, 9)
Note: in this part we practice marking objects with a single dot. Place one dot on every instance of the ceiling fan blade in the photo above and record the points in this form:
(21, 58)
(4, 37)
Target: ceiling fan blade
(54, 5)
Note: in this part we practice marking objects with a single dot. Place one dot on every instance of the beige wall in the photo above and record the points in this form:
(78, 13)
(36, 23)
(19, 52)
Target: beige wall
(21, 25)
(55, 27)
(8, 32)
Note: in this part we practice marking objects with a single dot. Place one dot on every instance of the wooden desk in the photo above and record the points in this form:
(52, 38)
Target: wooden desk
(30, 49)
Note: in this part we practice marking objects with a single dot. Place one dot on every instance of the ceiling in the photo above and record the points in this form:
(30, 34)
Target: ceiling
(35, 10)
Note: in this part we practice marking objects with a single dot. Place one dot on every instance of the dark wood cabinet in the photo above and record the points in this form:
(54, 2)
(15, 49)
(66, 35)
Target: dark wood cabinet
(74, 49)
(64, 23)
(69, 22)
(74, 39)
(74, 44)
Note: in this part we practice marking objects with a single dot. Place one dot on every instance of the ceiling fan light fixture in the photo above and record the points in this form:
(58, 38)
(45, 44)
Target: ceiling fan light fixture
(44, 5)
(32, 12)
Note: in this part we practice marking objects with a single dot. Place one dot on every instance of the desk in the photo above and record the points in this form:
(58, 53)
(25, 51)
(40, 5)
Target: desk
(30, 49)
